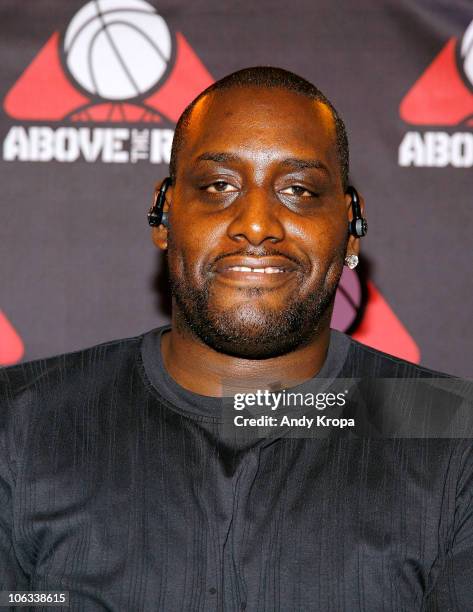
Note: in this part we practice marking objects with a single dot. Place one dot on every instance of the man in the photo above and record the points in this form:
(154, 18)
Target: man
(124, 482)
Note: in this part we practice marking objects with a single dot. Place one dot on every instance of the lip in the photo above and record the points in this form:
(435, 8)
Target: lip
(278, 270)
(276, 262)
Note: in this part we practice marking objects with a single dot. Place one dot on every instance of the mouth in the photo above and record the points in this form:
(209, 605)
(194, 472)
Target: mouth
(267, 270)
(255, 271)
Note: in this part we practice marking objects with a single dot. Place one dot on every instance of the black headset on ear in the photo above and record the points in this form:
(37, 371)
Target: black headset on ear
(358, 226)
(156, 215)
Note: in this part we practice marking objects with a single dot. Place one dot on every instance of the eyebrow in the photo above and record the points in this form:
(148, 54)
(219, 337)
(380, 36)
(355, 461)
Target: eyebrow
(304, 164)
(218, 157)
(293, 163)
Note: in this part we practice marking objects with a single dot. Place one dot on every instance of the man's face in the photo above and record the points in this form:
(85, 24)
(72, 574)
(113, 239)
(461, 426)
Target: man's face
(258, 222)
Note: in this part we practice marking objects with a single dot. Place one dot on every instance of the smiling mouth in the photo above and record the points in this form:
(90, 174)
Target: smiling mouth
(270, 272)
(266, 270)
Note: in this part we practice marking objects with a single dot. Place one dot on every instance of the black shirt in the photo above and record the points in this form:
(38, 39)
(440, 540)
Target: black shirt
(122, 488)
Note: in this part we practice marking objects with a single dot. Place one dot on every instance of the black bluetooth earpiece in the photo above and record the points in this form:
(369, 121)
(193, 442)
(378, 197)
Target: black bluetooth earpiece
(358, 226)
(156, 215)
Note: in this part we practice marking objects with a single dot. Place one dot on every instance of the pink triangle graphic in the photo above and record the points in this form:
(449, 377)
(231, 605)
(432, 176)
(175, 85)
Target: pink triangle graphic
(11, 345)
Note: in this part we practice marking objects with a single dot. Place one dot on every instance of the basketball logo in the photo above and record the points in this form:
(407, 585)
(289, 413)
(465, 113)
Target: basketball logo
(117, 49)
(466, 53)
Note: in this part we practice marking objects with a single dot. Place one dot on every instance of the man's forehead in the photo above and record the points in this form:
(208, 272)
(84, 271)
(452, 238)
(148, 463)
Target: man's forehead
(258, 114)
(250, 99)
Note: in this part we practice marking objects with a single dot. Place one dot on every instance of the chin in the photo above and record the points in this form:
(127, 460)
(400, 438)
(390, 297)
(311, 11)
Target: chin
(253, 328)
(249, 332)
(252, 350)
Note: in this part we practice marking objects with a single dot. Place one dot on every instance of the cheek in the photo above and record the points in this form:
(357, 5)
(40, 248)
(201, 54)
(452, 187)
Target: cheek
(323, 241)
(190, 245)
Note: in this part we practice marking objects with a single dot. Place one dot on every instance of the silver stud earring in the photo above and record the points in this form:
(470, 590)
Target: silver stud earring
(351, 261)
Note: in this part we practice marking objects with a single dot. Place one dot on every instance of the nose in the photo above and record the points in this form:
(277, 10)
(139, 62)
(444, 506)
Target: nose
(256, 219)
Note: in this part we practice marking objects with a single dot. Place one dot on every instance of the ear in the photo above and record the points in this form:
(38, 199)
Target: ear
(353, 246)
(159, 234)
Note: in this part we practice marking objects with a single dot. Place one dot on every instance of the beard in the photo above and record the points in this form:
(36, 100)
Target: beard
(252, 330)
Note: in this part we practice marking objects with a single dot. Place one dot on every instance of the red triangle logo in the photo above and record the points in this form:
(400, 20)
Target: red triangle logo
(11, 345)
(381, 329)
(439, 96)
(44, 92)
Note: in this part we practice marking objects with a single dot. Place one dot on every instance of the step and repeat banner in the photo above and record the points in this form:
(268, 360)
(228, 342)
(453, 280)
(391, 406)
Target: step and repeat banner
(90, 94)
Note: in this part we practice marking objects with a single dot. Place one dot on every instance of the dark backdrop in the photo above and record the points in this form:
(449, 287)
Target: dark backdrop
(78, 266)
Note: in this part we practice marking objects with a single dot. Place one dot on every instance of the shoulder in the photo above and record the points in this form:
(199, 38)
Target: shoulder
(398, 398)
(68, 368)
(37, 393)
(70, 397)
(364, 360)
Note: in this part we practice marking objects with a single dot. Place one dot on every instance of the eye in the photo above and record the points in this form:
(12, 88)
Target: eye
(298, 191)
(220, 187)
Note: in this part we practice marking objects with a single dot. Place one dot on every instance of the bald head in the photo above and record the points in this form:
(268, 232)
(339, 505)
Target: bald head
(265, 78)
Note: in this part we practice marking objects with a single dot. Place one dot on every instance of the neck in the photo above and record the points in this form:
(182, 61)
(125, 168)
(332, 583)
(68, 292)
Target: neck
(199, 368)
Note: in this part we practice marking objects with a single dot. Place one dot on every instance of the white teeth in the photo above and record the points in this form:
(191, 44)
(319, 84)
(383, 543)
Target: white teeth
(268, 270)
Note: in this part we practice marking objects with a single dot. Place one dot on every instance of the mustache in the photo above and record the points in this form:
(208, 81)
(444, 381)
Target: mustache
(257, 252)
